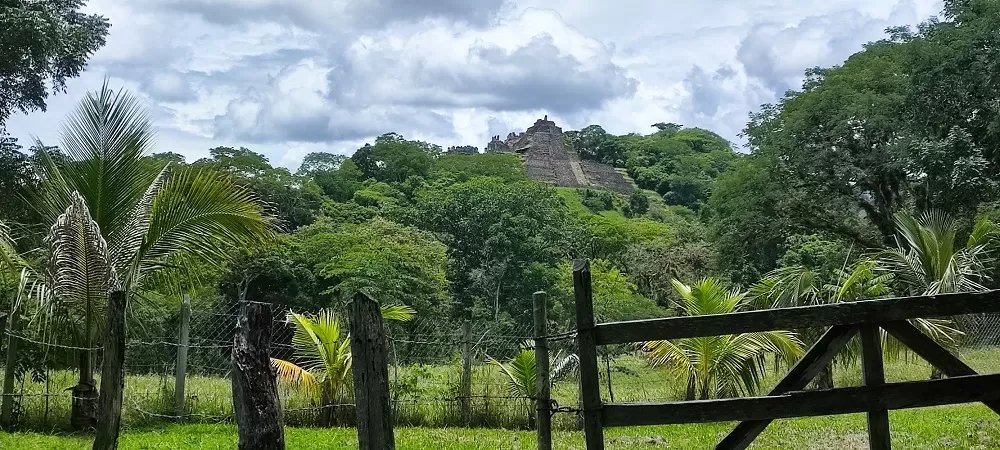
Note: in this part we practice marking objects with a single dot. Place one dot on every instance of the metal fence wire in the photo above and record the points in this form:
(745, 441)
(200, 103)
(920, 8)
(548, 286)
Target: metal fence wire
(441, 374)
(425, 374)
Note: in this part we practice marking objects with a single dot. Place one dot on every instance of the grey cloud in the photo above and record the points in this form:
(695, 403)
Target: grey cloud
(335, 16)
(777, 56)
(707, 93)
(170, 87)
(534, 76)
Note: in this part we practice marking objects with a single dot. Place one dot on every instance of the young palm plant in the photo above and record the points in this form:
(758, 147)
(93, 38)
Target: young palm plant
(119, 220)
(322, 347)
(800, 286)
(520, 372)
(720, 366)
(929, 260)
(522, 380)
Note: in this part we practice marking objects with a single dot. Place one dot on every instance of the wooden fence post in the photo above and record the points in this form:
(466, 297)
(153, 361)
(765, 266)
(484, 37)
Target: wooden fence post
(590, 384)
(109, 407)
(371, 375)
(465, 383)
(10, 366)
(874, 375)
(183, 341)
(543, 417)
(255, 388)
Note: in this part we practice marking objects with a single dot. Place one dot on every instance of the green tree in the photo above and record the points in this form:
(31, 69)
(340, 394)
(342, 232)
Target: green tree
(44, 42)
(394, 159)
(638, 203)
(807, 284)
(17, 181)
(117, 224)
(464, 167)
(616, 298)
(720, 366)
(296, 200)
(594, 143)
(494, 232)
(320, 162)
(389, 262)
(680, 165)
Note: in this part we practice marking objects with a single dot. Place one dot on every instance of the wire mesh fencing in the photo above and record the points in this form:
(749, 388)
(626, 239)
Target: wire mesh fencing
(441, 374)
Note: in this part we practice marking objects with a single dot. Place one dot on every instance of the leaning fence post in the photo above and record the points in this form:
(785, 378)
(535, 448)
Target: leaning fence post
(183, 341)
(109, 409)
(590, 384)
(543, 417)
(7, 404)
(255, 388)
(465, 384)
(371, 375)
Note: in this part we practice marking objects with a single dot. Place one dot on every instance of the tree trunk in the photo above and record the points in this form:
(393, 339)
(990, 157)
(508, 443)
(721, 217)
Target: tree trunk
(689, 395)
(112, 375)
(83, 413)
(255, 388)
(824, 380)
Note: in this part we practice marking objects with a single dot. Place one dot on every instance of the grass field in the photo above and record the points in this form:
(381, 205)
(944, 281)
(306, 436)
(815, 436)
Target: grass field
(426, 402)
(425, 392)
(951, 427)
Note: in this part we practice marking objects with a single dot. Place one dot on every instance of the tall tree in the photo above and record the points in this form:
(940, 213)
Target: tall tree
(43, 43)
(494, 232)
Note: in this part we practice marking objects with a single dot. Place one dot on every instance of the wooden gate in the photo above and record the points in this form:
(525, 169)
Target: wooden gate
(787, 399)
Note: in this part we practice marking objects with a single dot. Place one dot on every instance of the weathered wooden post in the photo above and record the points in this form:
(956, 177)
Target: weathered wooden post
(7, 403)
(543, 417)
(180, 371)
(371, 375)
(874, 375)
(109, 404)
(590, 384)
(255, 388)
(465, 383)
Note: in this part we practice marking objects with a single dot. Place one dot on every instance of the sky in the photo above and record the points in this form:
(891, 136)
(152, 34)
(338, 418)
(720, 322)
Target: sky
(289, 77)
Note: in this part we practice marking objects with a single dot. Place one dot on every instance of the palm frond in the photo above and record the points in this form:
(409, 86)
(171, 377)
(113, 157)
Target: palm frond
(289, 372)
(104, 140)
(520, 372)
(204, 214)
(79, 269)
(8, 255)
(399, 313)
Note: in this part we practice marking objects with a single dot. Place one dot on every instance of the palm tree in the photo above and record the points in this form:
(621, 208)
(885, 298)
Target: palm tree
(927, 259)
(800, 286)
(522, 379)
(119, 220)
(323, 348)
(520, 372)
(719, 366)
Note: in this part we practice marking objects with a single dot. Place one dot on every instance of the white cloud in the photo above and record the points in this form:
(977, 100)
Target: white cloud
(289, 77)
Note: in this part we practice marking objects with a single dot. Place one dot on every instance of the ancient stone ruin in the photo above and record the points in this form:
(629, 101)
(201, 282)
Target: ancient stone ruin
(547, 159)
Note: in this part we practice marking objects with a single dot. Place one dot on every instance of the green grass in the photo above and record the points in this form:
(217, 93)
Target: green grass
(950, 427)
(426, 393)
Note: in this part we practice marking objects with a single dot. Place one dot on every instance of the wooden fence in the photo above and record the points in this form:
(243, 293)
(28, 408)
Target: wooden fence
(788, 399)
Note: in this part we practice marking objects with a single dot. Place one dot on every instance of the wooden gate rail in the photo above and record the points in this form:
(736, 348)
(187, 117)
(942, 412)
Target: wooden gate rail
(787, 399)
(849, 313)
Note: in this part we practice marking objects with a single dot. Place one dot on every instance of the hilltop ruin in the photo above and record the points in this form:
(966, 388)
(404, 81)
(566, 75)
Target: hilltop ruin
(547, 159)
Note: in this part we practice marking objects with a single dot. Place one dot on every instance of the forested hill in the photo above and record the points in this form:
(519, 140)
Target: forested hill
(897, 149)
